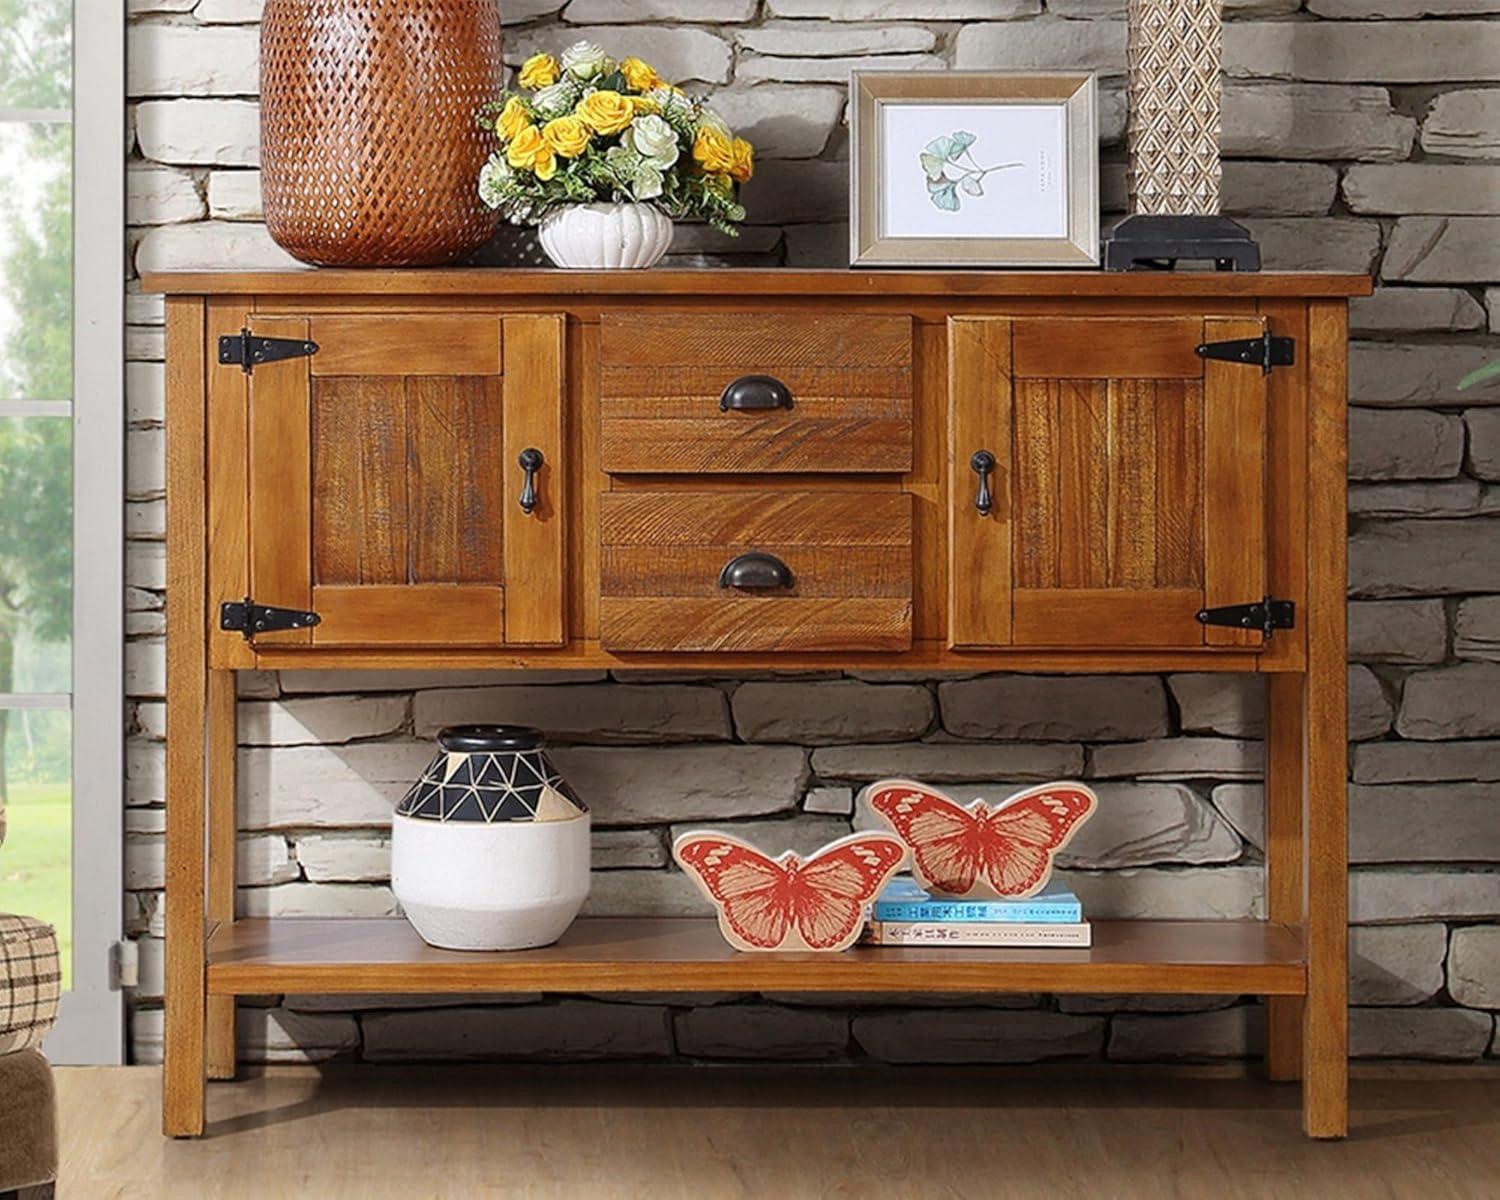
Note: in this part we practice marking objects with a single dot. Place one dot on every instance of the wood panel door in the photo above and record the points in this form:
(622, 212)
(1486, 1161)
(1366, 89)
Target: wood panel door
(386, 483)
(1106, 482)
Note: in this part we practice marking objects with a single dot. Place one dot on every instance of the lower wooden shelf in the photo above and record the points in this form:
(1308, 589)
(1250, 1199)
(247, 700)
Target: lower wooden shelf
(619, 954)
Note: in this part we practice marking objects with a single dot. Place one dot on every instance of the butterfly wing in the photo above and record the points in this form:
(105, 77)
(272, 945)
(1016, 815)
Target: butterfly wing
(748, 889)
(830, 891)
(947, 841)
(1023, 836)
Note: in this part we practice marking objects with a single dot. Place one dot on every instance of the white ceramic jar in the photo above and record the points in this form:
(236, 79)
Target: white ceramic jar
(490, 847)
(606, 236)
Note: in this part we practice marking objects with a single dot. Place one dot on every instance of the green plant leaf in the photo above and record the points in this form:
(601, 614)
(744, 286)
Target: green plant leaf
(945, 196)
(933, 165)
(962, 140)
(973, 185)
(1488, 371)
(942, 147)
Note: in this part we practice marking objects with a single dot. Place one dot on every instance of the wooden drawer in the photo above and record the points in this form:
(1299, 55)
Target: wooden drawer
(666, 406)
(665, 556)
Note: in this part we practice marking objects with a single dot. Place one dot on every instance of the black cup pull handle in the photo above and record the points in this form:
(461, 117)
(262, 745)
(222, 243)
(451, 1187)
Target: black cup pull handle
(756, 572)
(531, 462)
(755, 393)
(983, 465)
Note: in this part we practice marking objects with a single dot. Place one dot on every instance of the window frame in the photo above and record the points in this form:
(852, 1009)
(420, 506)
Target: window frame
(91, 1026)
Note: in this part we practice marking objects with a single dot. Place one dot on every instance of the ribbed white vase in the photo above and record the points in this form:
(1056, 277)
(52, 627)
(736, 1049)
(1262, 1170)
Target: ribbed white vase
(597, 237)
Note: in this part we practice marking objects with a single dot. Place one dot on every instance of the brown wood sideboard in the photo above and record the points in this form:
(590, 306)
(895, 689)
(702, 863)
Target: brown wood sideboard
(736, 470)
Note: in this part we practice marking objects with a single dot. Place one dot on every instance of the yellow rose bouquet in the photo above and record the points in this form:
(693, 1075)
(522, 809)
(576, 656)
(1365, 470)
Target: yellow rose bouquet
(584, 128)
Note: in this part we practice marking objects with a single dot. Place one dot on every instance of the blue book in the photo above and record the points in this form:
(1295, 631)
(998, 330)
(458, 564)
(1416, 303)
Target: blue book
(905, 900)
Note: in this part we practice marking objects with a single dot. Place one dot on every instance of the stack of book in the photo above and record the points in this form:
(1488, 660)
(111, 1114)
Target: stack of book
(906, 915)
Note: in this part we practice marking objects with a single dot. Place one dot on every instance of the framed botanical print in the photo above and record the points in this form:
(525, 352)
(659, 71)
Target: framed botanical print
(974, 169)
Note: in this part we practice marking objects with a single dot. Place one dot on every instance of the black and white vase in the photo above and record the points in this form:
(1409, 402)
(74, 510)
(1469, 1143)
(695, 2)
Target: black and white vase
(490, 847)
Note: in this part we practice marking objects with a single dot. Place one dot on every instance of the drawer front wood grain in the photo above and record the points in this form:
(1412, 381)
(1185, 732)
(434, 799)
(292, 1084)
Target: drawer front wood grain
(849, 555)
(663, 376)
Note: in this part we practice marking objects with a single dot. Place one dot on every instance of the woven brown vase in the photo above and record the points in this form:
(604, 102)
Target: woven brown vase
(370, 155)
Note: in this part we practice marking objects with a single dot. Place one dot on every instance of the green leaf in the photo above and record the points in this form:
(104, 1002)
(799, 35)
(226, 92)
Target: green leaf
(613, 82)
(933, 165)
(962, 141)
(1488, 371)
(973, 185)
(942, 147)
(946, 197)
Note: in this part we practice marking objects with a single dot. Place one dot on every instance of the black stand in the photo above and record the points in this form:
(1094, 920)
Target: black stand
(1155, 243)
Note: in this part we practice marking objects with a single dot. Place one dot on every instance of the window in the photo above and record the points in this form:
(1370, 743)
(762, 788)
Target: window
(61, 268)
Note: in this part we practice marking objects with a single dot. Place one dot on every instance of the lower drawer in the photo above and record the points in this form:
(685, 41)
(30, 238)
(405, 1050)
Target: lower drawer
(755, 570)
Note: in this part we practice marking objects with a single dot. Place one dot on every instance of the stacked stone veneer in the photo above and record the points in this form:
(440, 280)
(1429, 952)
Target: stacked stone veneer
(1360, 135)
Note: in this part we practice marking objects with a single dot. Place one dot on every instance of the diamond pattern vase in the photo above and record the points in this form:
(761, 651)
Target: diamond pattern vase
(490, 847)
(370, 150)
(1173, 132)
(1175, 53)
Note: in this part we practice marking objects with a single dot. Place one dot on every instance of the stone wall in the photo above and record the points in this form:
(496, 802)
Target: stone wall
(1361, 135)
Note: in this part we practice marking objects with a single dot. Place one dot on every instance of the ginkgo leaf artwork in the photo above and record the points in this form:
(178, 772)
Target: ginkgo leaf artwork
(951, 169)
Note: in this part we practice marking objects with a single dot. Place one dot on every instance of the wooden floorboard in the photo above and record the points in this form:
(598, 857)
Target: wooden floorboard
(669, 1133)
(300, 954)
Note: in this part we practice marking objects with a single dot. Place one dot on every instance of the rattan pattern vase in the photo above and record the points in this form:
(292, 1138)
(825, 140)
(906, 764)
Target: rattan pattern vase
(370, 154)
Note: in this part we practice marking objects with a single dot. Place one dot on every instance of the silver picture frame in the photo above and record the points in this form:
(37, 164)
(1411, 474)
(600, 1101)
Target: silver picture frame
(873, 93)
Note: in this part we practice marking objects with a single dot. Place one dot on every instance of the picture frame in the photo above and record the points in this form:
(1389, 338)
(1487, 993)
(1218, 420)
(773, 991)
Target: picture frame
(933, 153)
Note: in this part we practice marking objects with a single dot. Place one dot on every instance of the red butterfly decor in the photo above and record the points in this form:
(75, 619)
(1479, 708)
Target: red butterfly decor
(790, 903)
(986, 852)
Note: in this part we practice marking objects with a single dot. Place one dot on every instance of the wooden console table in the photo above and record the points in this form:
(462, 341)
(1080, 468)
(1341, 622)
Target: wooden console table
(735, 470)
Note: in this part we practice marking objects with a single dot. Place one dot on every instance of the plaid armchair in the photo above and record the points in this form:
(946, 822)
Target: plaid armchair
(30, 985)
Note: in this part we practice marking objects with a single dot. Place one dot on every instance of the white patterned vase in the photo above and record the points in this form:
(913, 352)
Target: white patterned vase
(598, 237)
(490, 847)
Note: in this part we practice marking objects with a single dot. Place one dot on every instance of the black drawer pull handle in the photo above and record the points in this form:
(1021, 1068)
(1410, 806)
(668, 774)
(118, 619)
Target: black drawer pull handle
(755, 572)
(983, 465)
(531, 462)
(754, 393)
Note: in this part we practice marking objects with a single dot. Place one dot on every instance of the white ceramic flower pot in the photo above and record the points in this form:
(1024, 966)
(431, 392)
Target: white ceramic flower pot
(597, 237)
(505, 886)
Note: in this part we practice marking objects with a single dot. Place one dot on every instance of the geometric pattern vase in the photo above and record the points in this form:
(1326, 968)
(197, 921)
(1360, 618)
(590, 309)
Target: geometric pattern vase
(1174, 60)
(490, 850)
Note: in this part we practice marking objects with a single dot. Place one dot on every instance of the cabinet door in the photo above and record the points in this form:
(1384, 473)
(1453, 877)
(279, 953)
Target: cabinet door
(1128, 482)
(385, 481)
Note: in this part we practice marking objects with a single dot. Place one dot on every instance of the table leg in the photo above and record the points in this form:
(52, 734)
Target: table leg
(1325, 1025)
(187, 712)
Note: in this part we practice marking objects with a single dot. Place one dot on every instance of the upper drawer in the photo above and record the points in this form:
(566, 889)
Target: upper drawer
(844, 402)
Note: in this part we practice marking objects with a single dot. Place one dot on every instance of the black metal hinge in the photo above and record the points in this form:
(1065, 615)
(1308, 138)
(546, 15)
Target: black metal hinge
(1268, 615)
(1264, 352)
(245, 350)
(250, 618)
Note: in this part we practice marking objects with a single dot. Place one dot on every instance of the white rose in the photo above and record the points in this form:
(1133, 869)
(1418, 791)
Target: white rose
(492, 179)
(585, 61)
(557, 100)
(654, 140)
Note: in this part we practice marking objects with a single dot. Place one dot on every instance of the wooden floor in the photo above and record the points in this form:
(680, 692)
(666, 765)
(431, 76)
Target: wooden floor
(677, 1134)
